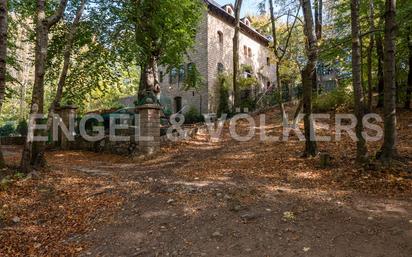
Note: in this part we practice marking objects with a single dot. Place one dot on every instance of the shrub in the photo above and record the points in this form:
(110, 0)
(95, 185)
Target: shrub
(337, 99)
(22, 128)
(224, 84)
(7, 130)
(193, 116)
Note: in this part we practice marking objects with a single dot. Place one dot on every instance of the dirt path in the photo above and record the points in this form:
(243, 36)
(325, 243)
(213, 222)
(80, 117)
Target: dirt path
(232, 199)
(238, 199)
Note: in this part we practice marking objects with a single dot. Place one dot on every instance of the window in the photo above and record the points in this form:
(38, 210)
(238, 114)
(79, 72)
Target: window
(220, 68)
(161, 76)
(190, 68)
(229, 10)
(220, 35)
(249, 51)
(245, 50)
(182, 73)
(268, 61)
(173, 76)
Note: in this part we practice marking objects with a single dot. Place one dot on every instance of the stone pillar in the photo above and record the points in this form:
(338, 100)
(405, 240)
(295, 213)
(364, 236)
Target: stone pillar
(149, 127)
(65, 112)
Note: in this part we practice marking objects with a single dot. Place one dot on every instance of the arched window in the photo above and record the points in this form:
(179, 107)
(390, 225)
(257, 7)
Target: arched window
(220, 68)
(249, 51)
(229, 10)
(220, 35)
(245, 50)
(173, 76)
(182, 73)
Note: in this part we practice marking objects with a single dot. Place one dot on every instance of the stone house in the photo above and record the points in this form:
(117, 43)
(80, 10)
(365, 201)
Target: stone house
(212, 54)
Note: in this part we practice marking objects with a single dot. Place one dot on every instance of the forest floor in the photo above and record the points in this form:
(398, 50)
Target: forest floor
(198, 198)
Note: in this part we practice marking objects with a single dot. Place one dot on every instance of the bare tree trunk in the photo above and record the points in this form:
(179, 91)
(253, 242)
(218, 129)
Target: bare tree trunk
(389, 145)
(380, 53)
(357, 81)
(236, 93)
(278, 81)
(409, 88)
(3, 55)
(280, 56)
(370, 53)
(307, 77)
(66, 63)
(33, 152)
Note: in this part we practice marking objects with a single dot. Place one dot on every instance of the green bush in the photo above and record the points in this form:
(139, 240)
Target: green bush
(250, 104)
(22, 128)
(224, 84)
(337, 99)
(7, 130)
(193, 116)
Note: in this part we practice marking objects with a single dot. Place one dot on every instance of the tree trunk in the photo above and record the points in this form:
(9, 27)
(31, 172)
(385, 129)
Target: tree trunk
(238, 7)
(409, 88)
(66, 63)
(389, 145)
(379, 51)
(149, 82)
(33, 152)
(278, 81)
(357, 81)
(318, 18)
(370, 53)
(3, 55)
(307, 76)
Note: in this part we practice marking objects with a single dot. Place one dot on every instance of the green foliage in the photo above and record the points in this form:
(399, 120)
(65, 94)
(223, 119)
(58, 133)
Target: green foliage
(193, 116)
(7, 130)
(22, 128)
(338, 99)
(194, 79)
(248, 82)
(223, 85)
(248, 103)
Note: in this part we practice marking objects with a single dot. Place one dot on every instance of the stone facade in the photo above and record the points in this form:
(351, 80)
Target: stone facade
(214, 51)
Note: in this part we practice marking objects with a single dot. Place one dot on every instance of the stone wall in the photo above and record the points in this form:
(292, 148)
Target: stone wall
(149, 128)
(207, 54)
(223, 53)
(198, 56)
(13, 140)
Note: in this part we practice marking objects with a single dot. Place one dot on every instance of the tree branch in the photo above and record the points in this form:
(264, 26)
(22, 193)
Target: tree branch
(52, 20)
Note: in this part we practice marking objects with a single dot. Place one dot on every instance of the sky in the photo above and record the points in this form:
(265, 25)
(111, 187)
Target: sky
(249, 6)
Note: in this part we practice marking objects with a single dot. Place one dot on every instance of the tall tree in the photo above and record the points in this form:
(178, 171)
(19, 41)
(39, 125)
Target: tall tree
(279, 56)
(389, 144)
(308, 73)
(3, 55)
(238, 7)
(380, 54)
(156, 39)
(409, 88)
(370, 52)
(318, 18)
(357, 81)
(66, 61)
(33, 154)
